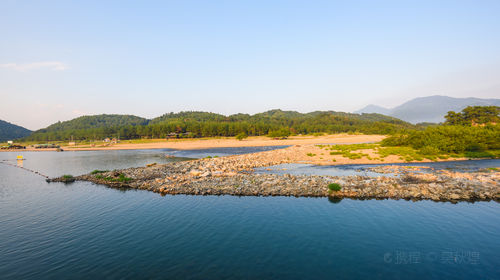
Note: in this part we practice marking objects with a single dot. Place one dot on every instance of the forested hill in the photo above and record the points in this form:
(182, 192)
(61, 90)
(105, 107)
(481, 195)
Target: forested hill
(97, 121)
(205, 124)
(10, 131)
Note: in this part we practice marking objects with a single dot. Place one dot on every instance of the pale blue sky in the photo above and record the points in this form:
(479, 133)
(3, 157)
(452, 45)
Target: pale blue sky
(62, 59)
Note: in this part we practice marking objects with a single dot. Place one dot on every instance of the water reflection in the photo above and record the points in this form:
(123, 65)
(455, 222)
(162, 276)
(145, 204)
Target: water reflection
(334, 200)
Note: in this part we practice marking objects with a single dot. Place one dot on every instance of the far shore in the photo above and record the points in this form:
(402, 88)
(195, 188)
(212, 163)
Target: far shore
(303, 149)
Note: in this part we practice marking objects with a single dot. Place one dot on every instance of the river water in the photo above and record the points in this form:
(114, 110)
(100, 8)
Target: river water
(85, 231)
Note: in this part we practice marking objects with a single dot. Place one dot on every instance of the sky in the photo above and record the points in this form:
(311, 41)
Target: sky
(63, 59)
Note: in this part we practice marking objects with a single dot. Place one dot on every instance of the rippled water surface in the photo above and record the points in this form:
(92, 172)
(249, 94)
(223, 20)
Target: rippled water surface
(81, 230)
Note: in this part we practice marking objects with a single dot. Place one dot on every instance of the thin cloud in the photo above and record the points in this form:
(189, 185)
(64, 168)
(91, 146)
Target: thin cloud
(51, 65)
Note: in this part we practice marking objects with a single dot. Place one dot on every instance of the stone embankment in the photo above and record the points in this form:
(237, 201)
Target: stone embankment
(234, 176)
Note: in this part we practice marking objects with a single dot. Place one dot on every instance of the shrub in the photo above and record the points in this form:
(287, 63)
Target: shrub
(241, 136)
(334, 187)
(67, 177)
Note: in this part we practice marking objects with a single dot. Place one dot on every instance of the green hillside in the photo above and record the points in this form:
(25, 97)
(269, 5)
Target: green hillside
(87, 127)
(10, 131)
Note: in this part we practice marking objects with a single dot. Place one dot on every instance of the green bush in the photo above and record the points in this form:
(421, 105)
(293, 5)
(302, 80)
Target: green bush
(241, 136)
(334, 187)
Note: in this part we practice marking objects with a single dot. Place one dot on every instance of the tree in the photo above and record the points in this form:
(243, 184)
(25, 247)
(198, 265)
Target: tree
(473, 115)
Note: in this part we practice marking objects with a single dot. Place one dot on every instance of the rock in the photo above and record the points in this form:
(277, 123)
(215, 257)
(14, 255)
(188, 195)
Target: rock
(195, 173)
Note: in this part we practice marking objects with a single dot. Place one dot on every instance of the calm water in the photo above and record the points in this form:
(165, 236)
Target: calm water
(82, 230)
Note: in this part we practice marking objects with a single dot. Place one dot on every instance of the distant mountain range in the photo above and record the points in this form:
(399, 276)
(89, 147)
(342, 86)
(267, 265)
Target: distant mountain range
(428, 109)
(10, 131)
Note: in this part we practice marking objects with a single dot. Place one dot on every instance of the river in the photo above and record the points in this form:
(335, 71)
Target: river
(85, 231)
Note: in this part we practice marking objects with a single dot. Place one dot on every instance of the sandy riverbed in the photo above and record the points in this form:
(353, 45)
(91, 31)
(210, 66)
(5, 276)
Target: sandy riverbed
(227, 142)
(187, 144)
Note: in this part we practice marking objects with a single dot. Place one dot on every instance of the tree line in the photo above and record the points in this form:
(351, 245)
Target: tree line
(204, 124)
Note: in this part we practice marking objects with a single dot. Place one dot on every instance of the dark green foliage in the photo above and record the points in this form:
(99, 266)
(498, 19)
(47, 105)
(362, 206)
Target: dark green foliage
(10, 131)
(98, 171)
(90, 127)
(334, 187)
(473, 115)
(280, 133)
(482, 154)
(67, 176)
(203, 124)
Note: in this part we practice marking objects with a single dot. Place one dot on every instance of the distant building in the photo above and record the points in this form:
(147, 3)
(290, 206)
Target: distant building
(172, 135)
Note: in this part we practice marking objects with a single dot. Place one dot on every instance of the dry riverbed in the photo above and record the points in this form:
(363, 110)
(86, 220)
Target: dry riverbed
(233, 175)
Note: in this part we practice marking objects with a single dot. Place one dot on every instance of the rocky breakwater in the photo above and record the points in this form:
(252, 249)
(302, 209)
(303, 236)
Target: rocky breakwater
(234, 176)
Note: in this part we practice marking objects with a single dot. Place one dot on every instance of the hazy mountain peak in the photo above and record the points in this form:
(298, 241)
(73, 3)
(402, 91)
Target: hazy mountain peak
(373, 109)
(429, 108)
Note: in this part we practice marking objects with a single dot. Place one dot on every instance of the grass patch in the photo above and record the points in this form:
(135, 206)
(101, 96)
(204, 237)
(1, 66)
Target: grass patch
(67, 177)
(121, 178)
(405, 153)
(349, 148)
(311, 154)
(348, 151)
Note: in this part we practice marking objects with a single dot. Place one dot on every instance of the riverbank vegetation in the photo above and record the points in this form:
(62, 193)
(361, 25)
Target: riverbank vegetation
(472, 133)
